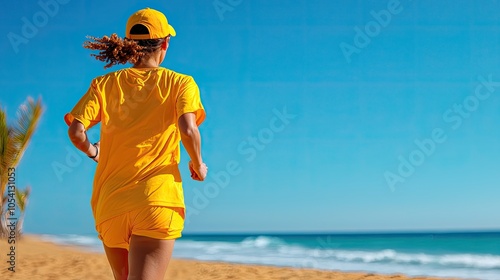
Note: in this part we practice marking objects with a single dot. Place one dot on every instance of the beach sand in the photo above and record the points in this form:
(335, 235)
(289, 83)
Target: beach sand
(36, 259)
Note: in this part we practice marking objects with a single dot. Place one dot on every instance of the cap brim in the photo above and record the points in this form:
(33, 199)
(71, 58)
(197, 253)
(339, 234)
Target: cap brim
(171, 31)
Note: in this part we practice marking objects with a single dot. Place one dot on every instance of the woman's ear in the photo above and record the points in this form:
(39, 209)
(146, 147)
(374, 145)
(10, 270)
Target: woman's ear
(164, 45)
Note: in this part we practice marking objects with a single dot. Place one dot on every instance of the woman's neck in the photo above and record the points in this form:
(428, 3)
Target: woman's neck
(150, 62)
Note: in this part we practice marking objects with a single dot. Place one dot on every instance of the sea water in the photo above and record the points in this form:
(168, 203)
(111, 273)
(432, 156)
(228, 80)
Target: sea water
(460, 255)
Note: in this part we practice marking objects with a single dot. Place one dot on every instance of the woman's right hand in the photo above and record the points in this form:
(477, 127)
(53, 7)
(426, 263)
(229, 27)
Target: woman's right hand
(198, 173)
(98, 147)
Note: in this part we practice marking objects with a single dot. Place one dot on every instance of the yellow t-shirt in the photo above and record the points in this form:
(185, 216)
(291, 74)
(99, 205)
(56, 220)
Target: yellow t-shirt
(138, 160)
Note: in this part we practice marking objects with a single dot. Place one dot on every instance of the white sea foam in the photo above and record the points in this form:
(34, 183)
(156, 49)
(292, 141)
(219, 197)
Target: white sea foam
(87, 242)
(275, 251)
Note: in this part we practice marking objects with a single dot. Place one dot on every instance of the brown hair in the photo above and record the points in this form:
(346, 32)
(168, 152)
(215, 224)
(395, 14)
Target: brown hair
(115, 50)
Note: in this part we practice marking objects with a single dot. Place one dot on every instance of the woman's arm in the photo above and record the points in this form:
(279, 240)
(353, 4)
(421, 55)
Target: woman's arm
(190, 136)
(78, 137)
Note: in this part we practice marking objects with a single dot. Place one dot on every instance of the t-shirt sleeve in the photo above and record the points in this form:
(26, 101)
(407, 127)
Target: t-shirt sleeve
(87, 110)
(188, 100)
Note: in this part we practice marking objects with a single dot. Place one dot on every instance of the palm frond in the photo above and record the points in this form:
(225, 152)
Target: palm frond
(15, 137)
(7, 153)
(4, 142)
(28, 116)
(4, 136)
(22, 198)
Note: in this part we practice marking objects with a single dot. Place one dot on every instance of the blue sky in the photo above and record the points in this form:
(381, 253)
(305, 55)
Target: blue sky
(300, 136)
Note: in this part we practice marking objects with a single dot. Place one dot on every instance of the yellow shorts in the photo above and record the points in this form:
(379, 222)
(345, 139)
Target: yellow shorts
(152, 221)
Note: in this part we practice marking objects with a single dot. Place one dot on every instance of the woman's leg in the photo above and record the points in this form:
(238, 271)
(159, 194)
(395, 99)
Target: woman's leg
(118, 259)
(149, 257)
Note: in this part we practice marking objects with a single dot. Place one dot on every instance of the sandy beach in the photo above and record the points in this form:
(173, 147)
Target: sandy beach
(36, 259)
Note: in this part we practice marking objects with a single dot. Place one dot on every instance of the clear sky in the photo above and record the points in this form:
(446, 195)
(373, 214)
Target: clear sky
(321, 115)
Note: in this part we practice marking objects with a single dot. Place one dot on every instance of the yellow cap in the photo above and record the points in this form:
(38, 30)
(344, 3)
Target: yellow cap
(155, 21)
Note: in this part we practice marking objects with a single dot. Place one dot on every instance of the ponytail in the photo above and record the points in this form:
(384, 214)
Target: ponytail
(115, 50)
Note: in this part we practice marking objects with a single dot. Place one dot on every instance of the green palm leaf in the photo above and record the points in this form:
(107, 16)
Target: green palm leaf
(22, 198)
(4, 143)
(4, 136)
(15, 138)
(28, 116)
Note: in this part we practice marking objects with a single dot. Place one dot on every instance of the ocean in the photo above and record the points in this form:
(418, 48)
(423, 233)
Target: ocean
(460, 255)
